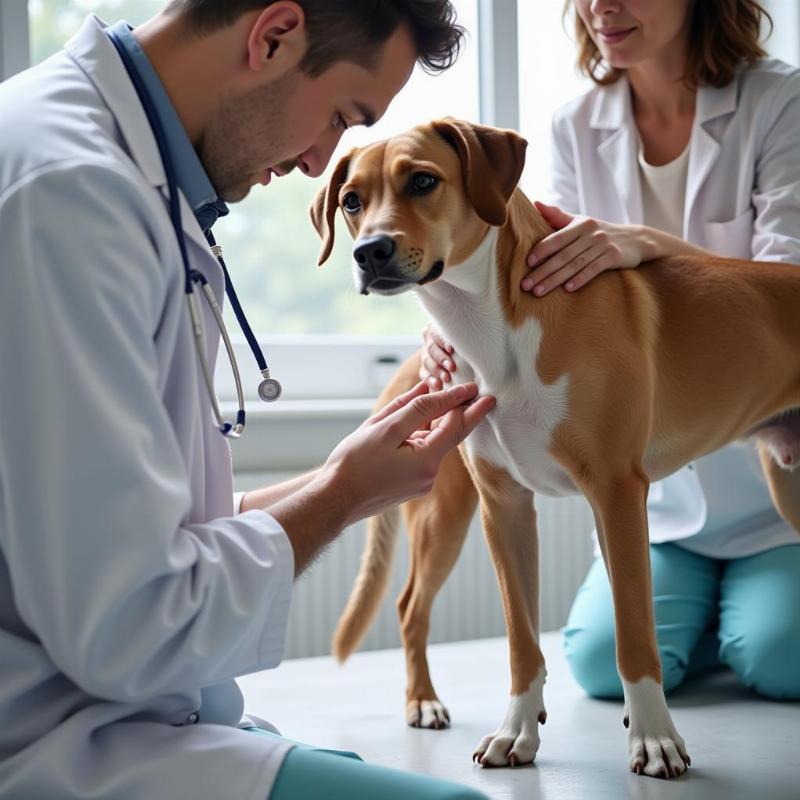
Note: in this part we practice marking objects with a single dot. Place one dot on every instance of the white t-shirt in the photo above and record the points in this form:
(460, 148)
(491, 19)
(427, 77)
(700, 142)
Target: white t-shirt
(664, 192)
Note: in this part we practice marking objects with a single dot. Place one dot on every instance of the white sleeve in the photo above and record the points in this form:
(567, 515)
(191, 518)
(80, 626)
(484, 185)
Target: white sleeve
(563, 189)
(128, 602)
(776, 194)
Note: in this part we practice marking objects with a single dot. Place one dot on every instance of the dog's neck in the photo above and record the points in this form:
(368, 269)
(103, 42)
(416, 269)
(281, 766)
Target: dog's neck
(474, 301)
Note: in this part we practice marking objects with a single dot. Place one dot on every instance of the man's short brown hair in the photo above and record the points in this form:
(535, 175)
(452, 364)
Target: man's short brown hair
(348, 30)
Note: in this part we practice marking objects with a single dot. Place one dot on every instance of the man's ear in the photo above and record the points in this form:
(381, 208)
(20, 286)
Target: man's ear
(277, 39)
(491, 163)
(323, 208)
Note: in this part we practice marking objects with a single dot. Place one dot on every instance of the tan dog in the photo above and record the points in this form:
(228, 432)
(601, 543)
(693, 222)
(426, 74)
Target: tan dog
(599, 392)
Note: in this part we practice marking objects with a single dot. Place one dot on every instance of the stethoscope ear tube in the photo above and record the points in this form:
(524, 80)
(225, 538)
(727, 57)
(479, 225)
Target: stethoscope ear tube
(231, 431)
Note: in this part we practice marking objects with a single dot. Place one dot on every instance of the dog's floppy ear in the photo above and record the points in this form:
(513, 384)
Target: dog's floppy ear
(491, 163)
(323, 208)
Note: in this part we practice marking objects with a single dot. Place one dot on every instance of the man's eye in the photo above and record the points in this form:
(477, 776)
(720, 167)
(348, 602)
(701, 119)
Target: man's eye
(351, 203)
(422, 182)
(341, 122)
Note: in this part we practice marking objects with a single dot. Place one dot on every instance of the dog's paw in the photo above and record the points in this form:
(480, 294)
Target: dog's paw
(655, 748)
(516, 741)
(427, 714)
(659, 757)
(509, 747)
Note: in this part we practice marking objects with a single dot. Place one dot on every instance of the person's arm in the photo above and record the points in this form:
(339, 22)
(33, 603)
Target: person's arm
(268, 495)
(129, 597)
(776, 193)
(583, 247)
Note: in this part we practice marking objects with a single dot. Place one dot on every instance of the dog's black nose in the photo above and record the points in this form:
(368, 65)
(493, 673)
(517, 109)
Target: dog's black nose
(373, 253)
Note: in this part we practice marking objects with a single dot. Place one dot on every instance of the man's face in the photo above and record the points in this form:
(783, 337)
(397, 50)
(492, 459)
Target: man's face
(297, 121)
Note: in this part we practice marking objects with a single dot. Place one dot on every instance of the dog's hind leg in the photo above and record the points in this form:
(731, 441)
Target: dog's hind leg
(509, 522)
(437, 526)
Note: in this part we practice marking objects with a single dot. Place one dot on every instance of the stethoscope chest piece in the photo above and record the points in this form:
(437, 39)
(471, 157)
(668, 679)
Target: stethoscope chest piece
(269, 390)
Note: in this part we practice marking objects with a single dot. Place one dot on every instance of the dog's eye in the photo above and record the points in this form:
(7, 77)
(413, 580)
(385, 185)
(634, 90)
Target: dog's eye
(422, 182)
(351, 203)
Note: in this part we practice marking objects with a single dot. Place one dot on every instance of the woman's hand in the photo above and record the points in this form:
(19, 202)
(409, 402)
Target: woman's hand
(437, 365)
(579, 250)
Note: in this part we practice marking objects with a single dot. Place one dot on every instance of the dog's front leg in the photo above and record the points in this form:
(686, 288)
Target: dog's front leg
(654, 746)
(509, 522)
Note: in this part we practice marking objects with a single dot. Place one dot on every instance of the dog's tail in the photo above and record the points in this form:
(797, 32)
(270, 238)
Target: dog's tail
(370, 585)
(373, 575)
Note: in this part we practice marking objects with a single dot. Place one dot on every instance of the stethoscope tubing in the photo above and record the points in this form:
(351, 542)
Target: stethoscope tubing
(269, 389)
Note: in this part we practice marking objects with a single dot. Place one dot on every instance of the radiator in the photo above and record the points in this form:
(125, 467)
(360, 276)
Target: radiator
(467, 607)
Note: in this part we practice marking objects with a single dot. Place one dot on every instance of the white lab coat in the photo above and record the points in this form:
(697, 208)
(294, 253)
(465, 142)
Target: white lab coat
(130, 594)
(742, 200)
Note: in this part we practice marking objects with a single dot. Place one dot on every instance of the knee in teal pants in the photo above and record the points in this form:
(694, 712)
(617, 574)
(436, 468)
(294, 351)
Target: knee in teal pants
(759, 621)
(755, 600)
(308, 774)
(684, 590)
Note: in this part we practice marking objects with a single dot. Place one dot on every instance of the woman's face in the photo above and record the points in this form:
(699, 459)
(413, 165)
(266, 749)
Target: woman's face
(630, 31)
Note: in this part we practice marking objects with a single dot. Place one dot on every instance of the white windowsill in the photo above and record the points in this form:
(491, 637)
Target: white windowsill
(293, 435)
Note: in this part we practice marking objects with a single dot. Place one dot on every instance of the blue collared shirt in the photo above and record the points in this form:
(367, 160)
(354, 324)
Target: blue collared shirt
(191, 175)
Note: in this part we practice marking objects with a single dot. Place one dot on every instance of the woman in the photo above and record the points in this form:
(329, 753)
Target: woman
(686, 144)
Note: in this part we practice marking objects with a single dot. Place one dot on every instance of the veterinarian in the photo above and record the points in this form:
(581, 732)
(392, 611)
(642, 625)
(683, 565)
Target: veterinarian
(687, 144)
(132, 589)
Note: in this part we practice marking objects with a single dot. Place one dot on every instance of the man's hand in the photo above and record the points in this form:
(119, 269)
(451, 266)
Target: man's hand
(396, 453)
(391, 457)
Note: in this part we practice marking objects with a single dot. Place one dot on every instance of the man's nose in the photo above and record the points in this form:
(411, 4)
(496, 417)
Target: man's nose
(318, 156)
(374, 253)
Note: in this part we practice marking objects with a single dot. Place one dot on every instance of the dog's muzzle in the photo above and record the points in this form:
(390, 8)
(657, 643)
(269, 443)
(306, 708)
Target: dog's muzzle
(377, 271)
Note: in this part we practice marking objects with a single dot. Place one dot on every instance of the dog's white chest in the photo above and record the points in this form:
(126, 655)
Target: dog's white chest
(516, 435)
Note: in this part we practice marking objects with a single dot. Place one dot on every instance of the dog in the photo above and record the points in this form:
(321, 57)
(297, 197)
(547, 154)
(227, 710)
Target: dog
(598, 392)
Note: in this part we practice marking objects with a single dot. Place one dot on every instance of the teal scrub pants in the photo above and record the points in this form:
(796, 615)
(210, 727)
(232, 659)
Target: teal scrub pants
(309, 773)
(743, 613)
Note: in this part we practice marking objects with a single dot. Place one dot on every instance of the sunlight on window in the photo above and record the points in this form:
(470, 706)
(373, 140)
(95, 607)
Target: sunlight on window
(547, 80)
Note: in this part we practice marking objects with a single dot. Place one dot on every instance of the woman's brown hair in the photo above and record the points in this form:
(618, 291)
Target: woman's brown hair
(722, 35)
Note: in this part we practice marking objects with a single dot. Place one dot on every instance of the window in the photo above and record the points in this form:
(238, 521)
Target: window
(547, 80)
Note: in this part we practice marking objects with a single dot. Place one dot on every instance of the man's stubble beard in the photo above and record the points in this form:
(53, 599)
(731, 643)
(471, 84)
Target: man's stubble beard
(246, 134)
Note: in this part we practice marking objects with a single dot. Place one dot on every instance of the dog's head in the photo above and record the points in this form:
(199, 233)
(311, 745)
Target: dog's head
(419, 202)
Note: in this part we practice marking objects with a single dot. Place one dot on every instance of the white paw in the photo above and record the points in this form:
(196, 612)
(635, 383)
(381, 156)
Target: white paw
(516, 741)
(655, 748)
(427, 714)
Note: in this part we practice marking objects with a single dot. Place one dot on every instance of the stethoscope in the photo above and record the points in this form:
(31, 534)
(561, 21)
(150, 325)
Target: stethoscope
(269, 389)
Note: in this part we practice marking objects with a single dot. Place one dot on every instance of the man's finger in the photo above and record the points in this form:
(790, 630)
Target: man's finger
(400, 401)
(420, 411)
(457, 425)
